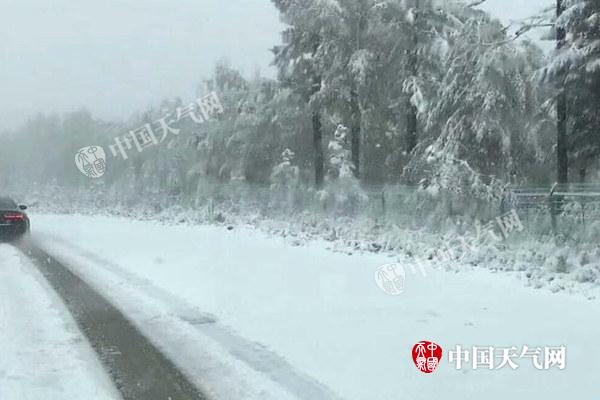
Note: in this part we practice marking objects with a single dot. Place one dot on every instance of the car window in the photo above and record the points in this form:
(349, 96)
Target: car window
(7, 203)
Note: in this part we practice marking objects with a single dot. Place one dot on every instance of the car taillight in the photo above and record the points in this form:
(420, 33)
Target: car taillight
(14, 217)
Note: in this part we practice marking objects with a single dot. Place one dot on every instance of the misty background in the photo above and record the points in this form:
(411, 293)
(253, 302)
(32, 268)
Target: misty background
(116, 58)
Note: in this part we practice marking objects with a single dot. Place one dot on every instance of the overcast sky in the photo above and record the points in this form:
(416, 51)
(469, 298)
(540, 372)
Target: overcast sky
(118, 57)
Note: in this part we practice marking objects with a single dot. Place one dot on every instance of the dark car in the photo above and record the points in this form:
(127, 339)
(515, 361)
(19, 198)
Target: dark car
(14, 223)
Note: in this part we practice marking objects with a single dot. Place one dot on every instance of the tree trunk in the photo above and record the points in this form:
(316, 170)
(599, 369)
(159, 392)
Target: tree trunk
(318, 145)
(355, 131)
(317, 132)
(411, 127)
(562, 159)
(356, 116)
(411, 116)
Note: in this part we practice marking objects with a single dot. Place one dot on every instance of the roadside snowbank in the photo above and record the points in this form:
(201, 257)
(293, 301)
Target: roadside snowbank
(569, 261)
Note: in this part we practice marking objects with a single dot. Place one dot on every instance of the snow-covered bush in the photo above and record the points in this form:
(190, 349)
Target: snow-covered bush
(449, 187)
(285, 181)
(342, 191)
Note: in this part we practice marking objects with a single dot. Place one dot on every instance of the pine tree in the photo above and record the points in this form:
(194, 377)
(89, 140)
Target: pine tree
(562, 160)
(298, 59)
(575, 70)
(479, 114)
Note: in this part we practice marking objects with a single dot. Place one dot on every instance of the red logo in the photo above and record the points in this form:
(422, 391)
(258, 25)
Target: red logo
(426, 356)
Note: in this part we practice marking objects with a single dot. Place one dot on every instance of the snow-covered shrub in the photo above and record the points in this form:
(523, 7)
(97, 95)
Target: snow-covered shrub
(559, 261)
(342, 191)
(587, 274)
(449, 187)
(285, 181)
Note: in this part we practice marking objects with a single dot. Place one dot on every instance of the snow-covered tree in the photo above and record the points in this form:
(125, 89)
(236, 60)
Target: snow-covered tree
(575, 67)
(298, 61)
(483, 108)
(343, 188)
(285, 179)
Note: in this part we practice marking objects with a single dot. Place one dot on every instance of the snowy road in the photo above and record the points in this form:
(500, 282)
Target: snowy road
(138, 370)
(42, 353)
(248, 316)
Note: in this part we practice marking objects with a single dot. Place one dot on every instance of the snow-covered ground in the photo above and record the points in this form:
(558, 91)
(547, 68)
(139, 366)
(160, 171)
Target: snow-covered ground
(249, 315)
(43, 355)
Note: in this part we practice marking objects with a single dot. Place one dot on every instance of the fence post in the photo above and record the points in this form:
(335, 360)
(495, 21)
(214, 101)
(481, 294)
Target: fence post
(553, 210)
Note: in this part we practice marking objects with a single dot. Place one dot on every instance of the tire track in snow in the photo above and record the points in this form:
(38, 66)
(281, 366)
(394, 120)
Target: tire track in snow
(138, 369)
(254, 354)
